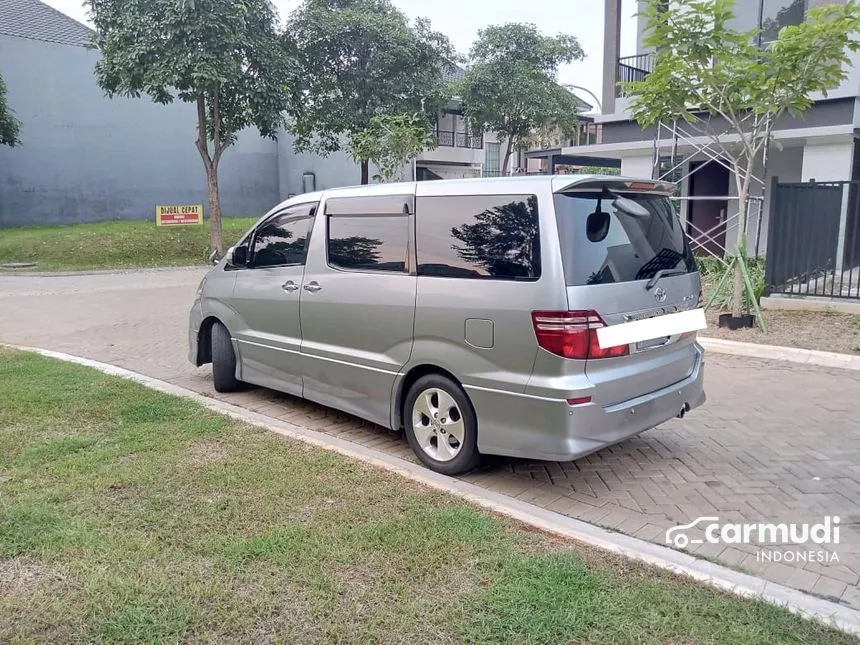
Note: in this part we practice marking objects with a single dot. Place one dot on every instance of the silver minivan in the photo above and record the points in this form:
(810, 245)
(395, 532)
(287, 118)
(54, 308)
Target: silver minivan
(464, 312)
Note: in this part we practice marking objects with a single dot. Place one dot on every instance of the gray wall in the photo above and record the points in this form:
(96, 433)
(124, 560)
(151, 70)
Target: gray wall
(333, 171)
(87, 158)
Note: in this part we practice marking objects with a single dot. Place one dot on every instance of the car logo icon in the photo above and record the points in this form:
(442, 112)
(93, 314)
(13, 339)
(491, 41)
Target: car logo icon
(660, 294)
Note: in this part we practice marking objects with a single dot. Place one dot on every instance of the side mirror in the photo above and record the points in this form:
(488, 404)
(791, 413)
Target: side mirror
(238, 256)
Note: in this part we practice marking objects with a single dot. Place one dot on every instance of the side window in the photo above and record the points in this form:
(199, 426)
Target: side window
(490, 237)
(282, 240)
(368, 234)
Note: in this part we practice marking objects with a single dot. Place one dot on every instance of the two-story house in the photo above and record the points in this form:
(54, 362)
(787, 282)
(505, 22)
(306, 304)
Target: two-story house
(461, 153)
(820, 144)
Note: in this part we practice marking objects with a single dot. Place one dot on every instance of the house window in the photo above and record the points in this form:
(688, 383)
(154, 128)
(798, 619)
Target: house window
(777, 14)
(490, 237)
(492, 158)
(747, 16)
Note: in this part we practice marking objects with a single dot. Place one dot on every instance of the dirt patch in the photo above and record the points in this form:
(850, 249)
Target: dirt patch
(20, 573)
(204, 452)
(818, 330)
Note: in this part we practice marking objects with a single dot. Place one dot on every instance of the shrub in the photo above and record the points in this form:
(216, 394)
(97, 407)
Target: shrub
(711, 270)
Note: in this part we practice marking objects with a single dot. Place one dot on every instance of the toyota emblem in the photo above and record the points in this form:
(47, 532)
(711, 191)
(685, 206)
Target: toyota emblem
(660, 294)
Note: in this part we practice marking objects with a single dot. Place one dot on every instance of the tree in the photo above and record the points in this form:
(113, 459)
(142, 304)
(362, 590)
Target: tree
(223, 56)
(511, 87)
(9, 125)
(729, 87)
(359, 59)
(391, 142)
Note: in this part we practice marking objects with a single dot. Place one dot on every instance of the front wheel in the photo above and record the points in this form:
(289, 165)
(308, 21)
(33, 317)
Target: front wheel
(223, 360)
(441, 425)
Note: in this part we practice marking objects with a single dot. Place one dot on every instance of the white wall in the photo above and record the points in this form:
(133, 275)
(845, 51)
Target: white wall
(828, 161)
(639, 166)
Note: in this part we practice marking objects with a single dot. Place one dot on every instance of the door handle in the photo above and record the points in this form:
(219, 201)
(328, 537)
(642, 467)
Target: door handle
(289, 285)
(313, 287)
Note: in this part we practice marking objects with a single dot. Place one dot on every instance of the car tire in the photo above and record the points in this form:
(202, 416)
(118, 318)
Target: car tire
(441, 425)
(223, 360)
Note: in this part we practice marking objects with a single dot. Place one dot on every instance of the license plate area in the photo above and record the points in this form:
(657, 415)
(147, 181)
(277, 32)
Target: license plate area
(651, 344)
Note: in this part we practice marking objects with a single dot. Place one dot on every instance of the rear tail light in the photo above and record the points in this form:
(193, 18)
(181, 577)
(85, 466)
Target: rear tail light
(579, 400)
(699, 305)
(573, 334)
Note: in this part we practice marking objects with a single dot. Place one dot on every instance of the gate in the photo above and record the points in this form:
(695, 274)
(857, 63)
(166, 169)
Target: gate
(813, 241)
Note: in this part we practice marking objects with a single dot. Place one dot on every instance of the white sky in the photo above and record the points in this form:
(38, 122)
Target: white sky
(461, 20)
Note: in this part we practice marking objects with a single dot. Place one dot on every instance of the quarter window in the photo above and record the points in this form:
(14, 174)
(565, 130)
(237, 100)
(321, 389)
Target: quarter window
(493, 237)
(282, 240)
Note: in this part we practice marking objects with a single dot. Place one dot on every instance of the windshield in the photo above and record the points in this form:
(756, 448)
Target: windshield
(600, 243)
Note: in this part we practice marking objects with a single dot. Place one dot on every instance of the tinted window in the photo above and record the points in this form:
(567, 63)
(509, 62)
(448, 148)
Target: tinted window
(368, 243)
(602, 244)
(282, 240)
(480, 236)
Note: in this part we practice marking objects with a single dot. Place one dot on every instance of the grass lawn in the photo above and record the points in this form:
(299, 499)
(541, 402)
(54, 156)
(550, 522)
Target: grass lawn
(128, 515)
(112, 245)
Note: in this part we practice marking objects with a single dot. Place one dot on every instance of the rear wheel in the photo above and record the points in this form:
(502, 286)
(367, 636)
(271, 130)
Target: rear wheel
(223, 360)
(441, 425)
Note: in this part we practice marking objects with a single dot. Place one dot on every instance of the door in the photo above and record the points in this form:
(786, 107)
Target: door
(708, 179)
(358, 303)
(266, 299)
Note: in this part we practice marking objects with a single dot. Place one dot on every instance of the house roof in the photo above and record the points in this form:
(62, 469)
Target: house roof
(37, 21)
(452, 72)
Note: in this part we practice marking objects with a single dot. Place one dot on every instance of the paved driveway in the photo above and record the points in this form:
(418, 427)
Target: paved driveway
(776, 442)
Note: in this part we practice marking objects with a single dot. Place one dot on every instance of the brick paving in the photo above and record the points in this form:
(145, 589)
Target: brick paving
(776, 442)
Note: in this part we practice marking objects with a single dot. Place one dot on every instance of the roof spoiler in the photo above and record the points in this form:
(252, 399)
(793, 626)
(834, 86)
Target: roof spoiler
(618, 184)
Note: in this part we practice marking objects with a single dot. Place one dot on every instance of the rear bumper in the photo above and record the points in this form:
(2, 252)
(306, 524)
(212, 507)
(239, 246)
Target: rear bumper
(533, 427)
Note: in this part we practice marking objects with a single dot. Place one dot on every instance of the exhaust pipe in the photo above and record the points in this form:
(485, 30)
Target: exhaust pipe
(683, 411)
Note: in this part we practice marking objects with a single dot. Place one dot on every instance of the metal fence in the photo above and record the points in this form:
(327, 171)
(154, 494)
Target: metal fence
(813, 242)
(449, 139)
(633, 68)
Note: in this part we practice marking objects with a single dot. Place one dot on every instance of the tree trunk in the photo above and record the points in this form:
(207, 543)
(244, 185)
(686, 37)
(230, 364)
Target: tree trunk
(740, 246)
(216, 240)
(210, 164)
(365, 172)
(508, 149)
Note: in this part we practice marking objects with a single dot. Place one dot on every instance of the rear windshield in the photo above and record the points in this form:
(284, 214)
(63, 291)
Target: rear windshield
(600, 243)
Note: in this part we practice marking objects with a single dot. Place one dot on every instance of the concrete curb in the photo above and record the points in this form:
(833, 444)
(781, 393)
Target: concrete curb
(778, 353)
(741, 584)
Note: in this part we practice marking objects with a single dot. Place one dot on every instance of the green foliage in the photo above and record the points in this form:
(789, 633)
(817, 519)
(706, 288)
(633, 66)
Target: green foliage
(131, 516)
(391, 142)
(705, 68)
(511, 87)
(711, 270)
(598, 170)
(112, 245)
(358, 59)
(730, 86)
(9, 125)
(225, 57)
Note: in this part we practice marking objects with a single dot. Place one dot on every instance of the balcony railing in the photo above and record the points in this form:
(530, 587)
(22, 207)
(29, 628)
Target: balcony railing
(450, 139)
(633, 68)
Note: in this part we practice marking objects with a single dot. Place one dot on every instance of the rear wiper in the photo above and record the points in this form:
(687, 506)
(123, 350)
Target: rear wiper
(662, 273)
